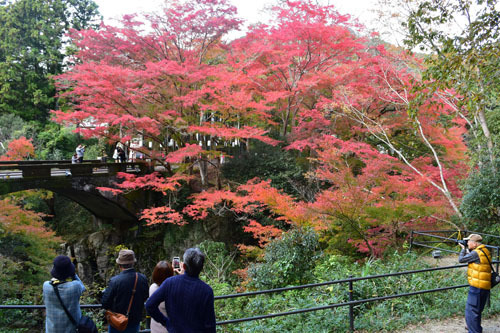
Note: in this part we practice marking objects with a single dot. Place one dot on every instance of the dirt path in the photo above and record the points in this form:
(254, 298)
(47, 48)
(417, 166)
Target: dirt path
(454, 325)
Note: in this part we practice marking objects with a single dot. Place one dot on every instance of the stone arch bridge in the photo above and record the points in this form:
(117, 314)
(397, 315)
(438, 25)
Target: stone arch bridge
(79, 182)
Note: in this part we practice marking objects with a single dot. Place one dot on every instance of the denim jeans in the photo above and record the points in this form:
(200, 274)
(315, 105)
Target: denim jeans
(476, 301)
(129, 329)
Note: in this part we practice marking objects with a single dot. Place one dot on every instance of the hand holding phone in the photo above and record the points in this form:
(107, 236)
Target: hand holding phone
(176, 262)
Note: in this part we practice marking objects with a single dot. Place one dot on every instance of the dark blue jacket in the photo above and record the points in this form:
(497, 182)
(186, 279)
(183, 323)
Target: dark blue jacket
(117, 295)
(189, 303)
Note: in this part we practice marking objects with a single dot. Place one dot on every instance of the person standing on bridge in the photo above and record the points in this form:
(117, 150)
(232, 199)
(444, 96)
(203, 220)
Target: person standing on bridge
(119, 296)
(80, 151)
(189, 302)
(122, 157)
(479, 277)
(70, 288)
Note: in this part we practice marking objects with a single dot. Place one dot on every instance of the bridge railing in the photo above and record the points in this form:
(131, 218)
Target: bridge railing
(45, 169)
(44, 162)
(350, 282)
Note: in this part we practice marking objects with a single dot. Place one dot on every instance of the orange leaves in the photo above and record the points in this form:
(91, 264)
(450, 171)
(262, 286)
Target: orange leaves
(20, 221)
(19, 149)
(264, 234)
(162, 215)
(218, 202)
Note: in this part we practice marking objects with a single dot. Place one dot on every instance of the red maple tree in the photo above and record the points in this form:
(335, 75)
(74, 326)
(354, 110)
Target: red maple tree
(345, 103)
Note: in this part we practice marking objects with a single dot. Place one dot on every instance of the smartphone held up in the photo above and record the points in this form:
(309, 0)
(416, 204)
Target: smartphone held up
(176, 262)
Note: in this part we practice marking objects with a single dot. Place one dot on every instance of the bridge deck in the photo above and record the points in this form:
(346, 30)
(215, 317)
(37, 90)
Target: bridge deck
(47, 169)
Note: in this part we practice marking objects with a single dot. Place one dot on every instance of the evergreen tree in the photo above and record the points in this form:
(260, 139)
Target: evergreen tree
(32, 50)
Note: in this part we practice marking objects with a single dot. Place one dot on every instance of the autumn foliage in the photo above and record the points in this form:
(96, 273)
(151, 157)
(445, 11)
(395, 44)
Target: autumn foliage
(19, 149)
(386, 159)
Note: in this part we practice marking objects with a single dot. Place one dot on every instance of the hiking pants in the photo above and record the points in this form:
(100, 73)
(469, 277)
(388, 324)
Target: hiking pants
(475, 304)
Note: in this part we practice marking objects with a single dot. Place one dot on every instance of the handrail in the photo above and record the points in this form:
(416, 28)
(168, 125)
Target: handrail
(351, 303)
(428, 233)
(448, 240)
(65, 164)
(43, 162)
(14, 172)
(354, 279)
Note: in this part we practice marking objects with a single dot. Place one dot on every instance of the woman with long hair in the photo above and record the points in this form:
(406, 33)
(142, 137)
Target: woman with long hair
(162, 271)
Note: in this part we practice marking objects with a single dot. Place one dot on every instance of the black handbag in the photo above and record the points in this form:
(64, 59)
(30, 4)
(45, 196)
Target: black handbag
(85, 325)
(495, 278)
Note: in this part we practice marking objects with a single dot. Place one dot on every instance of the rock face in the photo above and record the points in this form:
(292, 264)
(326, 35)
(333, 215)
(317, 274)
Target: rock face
(95, 253)
(92, 255)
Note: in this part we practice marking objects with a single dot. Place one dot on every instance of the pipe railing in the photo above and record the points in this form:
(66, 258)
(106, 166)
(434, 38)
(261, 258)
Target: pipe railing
(351, 303)
(495, 250)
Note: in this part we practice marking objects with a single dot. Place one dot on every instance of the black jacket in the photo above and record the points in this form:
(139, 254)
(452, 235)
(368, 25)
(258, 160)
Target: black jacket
(117, 295)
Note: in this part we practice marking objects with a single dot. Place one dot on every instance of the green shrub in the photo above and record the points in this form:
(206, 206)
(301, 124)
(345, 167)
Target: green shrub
(268, 162)
(287, 261)
(481, 200)
(219, 263)
(383, 316)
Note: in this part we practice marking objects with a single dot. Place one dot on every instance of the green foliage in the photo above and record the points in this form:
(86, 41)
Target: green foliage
(20, 321)
(481, 200)
(94, 150)
(31, 51)
(267, 162)
(25, 261)
(287, 261)
(384, 316)
(70, 219)
(51, 141)
(26, 251)
(11, 127)
(464, 59)
(54, 142)
(219, 263)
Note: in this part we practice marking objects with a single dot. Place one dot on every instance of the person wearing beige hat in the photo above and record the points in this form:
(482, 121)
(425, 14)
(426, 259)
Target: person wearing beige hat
(119, 292)
(479, 277)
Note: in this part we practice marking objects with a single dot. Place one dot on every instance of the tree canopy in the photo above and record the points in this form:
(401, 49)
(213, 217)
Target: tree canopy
(346, 105)
(32, 50)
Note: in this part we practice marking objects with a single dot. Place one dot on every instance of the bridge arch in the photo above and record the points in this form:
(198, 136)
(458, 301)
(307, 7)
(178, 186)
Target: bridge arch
(78, 182)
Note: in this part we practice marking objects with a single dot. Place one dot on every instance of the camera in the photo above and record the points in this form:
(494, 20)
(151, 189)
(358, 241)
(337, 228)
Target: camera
(462, 241)
(176, 262)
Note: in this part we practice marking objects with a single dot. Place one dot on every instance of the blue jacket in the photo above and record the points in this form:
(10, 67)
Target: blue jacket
(117, 295)
(189, 303)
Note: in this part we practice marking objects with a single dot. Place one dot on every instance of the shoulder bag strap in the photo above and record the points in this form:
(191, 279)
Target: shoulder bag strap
(133, 292)
(56, 290)
(489, 262)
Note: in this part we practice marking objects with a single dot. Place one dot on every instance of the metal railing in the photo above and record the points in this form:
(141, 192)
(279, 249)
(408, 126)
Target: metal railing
(351, 303)
(420, 238)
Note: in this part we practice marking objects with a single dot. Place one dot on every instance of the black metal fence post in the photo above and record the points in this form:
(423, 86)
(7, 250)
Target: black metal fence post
(351, 307)
(411, 241)
(498, 256)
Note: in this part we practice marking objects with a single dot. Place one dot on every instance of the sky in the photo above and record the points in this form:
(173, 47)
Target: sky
(249, 10)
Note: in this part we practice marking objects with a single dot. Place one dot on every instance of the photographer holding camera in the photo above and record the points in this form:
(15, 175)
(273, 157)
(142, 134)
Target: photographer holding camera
(479, 277)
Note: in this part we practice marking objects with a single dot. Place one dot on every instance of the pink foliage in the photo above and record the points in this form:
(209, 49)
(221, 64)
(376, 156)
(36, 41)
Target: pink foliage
(162, 215)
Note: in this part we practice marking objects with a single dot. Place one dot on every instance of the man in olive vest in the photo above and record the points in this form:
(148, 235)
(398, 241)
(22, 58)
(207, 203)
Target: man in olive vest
(479, 277)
